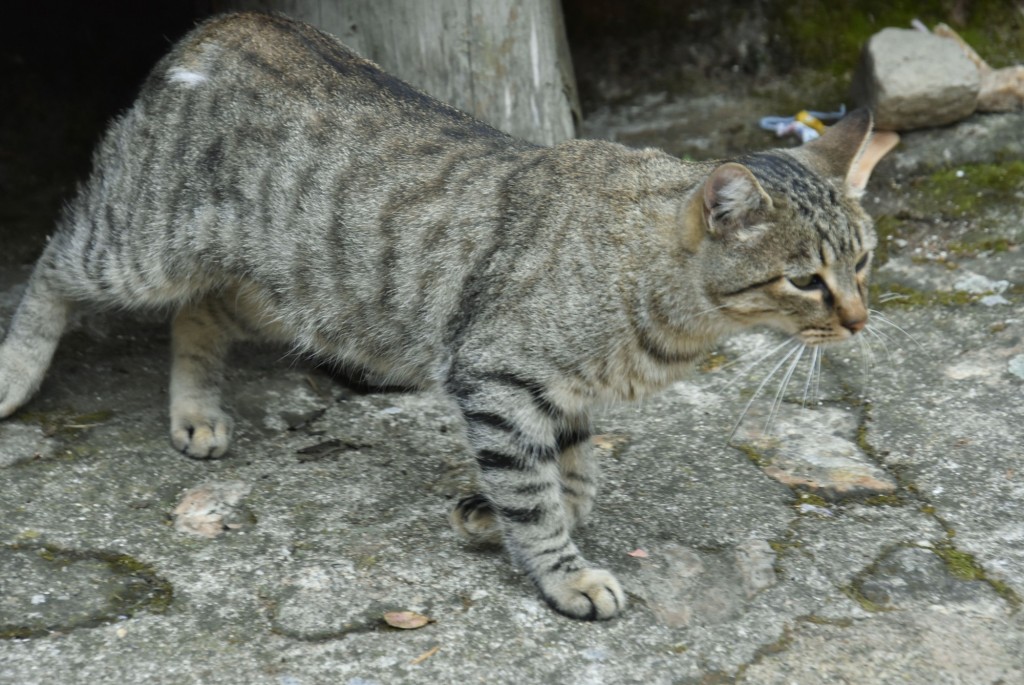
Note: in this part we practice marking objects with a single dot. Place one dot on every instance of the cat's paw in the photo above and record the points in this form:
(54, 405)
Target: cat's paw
(202, 435)
(590, 594)
(473, 518)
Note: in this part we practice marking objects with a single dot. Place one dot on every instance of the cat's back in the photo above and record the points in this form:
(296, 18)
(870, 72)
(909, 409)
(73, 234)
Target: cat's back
(245, 64)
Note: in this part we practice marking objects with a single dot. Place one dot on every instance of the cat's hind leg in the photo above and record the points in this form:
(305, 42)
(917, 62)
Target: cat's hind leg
(475, 520)
(201, 336)
(200, 339)
(515, 431)
(35, 331)
(577, 470)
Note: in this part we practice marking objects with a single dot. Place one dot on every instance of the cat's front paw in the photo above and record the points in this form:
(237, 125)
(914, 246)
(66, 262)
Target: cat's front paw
(202, 435)
(473, 518)
(590, 594)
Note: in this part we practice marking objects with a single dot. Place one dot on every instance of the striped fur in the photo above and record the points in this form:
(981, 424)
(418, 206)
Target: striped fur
(269, 183)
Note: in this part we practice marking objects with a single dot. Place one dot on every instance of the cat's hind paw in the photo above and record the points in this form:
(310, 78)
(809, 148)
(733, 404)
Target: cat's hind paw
(201, 435)
(590, 594)
(473, 518)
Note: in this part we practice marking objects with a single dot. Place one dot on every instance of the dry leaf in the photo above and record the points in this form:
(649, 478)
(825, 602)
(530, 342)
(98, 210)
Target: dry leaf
(211, 509)
(406, 620)
(425, 655)
(638, 553)
(609, 441)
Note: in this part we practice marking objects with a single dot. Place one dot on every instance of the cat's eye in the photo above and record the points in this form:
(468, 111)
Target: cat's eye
(862, 263)
(806, 282)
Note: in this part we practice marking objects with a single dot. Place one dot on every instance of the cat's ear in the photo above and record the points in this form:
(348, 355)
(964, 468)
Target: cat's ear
(848, 150)
(879, 145)
(733, 200)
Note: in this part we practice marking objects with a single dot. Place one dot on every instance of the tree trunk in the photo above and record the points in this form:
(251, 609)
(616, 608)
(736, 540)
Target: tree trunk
(504, 61)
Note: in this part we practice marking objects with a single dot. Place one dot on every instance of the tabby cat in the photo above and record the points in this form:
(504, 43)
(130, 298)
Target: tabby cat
(270, 183)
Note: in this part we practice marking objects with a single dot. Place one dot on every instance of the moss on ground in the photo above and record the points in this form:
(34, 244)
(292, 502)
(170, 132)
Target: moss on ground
(895, 296)
(964, 566)
(887, 227)
(142, 588)
(969, 189)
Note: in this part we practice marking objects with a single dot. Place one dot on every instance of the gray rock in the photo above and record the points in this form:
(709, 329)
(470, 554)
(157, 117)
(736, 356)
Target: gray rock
(977, 140)
(816, 449)
(914, 80)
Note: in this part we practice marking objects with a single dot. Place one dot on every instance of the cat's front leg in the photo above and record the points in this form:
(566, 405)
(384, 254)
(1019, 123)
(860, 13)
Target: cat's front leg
(199, 342)
(515, 431)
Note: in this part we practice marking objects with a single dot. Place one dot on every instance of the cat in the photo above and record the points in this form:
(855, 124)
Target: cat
(269, 183)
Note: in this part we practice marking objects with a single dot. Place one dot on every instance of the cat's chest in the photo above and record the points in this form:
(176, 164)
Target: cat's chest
(625, 375)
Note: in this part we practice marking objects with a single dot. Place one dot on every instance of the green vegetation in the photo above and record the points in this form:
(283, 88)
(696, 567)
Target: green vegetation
(854, 593)
(969, 188)
(804, 497)
(756, 458)
(964, 566)
(960, 564)
(829, 35)
(887, 227)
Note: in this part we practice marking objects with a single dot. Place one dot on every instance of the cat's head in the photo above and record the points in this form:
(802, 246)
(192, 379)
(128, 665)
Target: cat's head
(784, 239)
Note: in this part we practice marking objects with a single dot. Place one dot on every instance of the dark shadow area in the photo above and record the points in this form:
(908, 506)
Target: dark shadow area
(66, 68)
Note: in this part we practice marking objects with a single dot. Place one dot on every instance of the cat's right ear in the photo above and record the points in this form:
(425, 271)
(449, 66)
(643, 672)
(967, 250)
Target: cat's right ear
(848, 150)
(733, 202)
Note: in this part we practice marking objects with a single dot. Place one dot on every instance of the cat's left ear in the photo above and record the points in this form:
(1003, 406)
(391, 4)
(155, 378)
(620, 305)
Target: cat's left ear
(849, 150)
(733, 200)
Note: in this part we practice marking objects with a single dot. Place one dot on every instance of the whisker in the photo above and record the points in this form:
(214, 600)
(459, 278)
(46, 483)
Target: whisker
(881, 338)
(883, 319)
(815, 354)
(817, 378)
(890, 296)
(867, 357)
(754, 363)
(782, 391)
(797, 346)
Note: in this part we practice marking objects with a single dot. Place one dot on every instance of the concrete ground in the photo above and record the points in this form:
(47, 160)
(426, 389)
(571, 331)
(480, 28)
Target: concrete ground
(873, 535)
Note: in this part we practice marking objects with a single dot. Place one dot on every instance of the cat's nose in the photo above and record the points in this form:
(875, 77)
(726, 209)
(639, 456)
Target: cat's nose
(855, 325)
(853, 315)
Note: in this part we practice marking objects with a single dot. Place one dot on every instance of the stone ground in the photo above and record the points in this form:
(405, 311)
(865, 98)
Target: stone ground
(872, 535)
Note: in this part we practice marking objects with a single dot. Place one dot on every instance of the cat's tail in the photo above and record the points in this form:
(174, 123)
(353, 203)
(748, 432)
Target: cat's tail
(36, 329)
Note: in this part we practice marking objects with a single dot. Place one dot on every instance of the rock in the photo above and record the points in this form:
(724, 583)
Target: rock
(911, 79)
(815, 449)
(1002, 90)
(978, 139)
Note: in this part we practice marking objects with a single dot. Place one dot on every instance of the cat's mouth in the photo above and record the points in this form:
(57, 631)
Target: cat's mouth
(824, 336)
